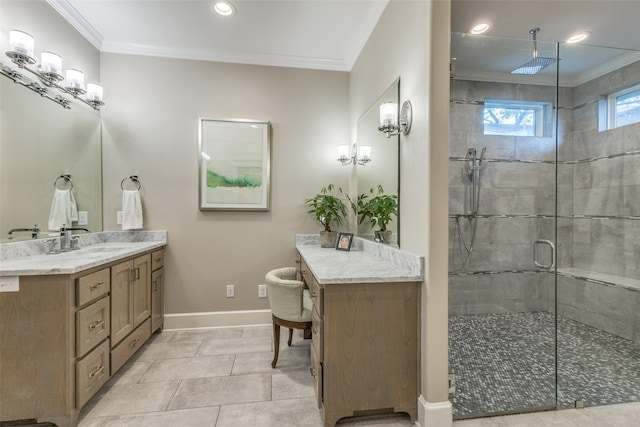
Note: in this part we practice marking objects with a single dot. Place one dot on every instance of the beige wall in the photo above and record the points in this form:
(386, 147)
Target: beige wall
(411, 41)
(151, 129)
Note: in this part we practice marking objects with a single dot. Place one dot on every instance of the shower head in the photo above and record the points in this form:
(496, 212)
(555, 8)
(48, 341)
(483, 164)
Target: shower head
(536, 64)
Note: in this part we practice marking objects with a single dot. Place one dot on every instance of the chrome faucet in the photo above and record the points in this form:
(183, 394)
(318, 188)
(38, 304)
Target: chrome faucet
(64, 239)
(86, 230)
(34, 231)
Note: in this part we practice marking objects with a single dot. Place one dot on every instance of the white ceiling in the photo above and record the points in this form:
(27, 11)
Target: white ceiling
(613, 23)
(318, 34)
(329, 34)
(508, 44)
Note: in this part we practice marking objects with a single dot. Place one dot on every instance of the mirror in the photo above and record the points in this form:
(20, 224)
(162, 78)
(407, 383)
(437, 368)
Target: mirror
(384, 167)
(39, 142)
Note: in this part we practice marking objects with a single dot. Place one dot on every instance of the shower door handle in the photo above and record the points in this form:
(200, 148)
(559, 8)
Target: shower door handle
(535, 253)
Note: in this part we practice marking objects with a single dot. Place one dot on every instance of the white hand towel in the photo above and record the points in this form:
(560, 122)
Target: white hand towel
(131, 210)
(73, 208)
(63, 209)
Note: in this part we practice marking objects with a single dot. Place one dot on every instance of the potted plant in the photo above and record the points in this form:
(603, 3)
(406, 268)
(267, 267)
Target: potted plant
(378, 208)
(328, 207)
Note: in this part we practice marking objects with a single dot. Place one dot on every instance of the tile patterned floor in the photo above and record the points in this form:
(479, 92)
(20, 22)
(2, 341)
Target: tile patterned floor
(506, 362)
(223, 378)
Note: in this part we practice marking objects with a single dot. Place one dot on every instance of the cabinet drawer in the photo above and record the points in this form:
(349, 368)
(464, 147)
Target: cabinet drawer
(157, 259)
(92, 286)
(317, 296)
(92, 372)
(305, 273)
(316, 373)
(123, 351)
(92, 326)
(317, 334)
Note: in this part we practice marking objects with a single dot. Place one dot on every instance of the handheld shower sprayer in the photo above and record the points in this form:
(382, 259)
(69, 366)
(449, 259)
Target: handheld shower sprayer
(484, 149)
(473, 170)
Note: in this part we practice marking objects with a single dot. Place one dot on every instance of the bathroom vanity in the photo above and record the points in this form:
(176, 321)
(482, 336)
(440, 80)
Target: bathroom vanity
(69, 321)
(365, 331)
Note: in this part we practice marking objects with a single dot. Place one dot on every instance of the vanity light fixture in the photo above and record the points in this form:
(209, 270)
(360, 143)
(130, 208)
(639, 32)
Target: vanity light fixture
(361, 155)
(49, 73)
(578, 37)
(223, 8)
(392, 124)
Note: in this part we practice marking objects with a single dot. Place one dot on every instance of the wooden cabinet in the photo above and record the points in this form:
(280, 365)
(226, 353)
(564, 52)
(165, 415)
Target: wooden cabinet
(157, 290)
(365, 352)
(130, 295)
(63, 335)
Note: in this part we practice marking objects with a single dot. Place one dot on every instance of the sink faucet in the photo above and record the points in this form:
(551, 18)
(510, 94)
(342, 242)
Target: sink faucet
(34, 231)
(86, 230)
(64, 239)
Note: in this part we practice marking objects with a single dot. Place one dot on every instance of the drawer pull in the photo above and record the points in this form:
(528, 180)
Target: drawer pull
(157, 260)
(97, 372)
(313, 372)
(134, 343)
(314, 294)
(96, 286)
(314, 329)
(95, 324)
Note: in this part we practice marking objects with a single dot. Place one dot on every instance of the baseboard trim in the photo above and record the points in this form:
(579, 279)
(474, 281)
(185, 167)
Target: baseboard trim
(215, 319)
(438, 414)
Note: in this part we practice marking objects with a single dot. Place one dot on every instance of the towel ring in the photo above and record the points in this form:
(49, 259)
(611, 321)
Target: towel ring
(66, 180)
(132, 178)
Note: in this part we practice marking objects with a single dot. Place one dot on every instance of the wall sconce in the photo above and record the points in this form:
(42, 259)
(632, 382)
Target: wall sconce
(360, 155)
(392, 124)
(49, 72)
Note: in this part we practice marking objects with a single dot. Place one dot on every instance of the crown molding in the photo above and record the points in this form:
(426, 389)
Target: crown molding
(230, 57)
(77, 21)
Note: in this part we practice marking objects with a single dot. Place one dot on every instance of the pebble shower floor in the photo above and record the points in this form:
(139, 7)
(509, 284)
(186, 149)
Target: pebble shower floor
(506, 363)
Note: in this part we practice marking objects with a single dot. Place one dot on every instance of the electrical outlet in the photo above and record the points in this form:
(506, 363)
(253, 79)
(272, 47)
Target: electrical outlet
(83, 218)
(262, 291)
(231, 291)
(119, 217)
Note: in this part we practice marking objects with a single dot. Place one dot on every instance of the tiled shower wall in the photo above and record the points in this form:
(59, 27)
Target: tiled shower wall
(605, 186)
(605, 217)
(517, 205)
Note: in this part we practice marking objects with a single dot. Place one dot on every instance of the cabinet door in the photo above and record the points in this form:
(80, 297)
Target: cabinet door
(157, 299)
(141, 289)
(121, 302)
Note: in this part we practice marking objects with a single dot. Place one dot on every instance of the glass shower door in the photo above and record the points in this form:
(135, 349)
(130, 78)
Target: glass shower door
(502, 191)
(598, 292)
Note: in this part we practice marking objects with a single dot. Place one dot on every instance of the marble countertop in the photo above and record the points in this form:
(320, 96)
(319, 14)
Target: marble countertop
(89, 256)
(367, 262)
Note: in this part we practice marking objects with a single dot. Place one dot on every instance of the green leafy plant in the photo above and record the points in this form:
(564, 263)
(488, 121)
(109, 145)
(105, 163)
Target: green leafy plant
(376, 207)
(327, 206)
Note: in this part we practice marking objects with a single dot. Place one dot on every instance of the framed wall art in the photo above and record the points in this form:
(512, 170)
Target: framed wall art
(235, 163)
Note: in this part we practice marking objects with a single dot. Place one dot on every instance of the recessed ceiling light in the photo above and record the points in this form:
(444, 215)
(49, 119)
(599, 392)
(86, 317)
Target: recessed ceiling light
(224, 8)
(578, 37)
(479, 28)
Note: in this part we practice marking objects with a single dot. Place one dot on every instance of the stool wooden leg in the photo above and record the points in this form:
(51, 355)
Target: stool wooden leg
(290, 337)
(276, 342)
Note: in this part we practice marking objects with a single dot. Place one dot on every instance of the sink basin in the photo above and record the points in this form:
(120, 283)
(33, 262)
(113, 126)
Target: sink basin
(103, 249)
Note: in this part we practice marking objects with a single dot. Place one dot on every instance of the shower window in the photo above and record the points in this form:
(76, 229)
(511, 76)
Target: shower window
(516, 118)
(624, 107)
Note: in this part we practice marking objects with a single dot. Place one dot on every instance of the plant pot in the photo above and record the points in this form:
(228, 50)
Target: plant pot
(384, 236)
(328, 239)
